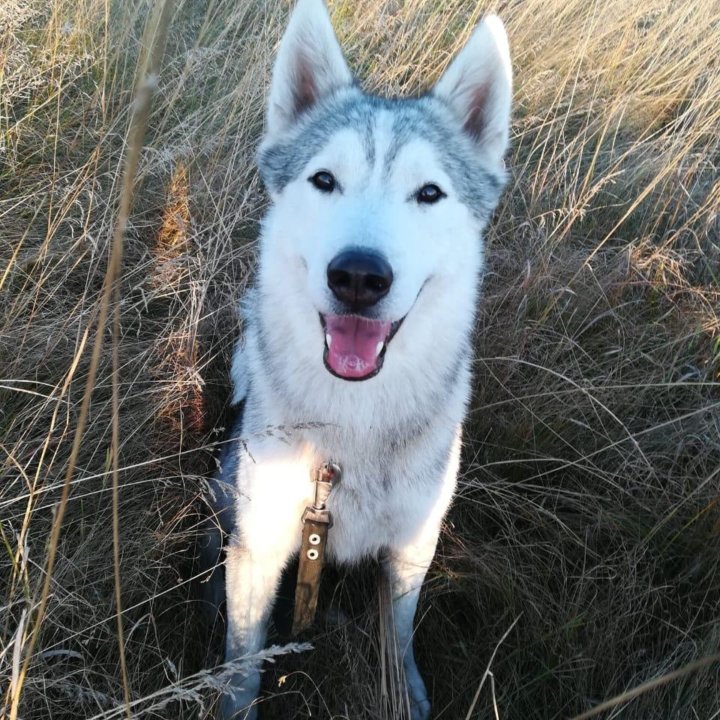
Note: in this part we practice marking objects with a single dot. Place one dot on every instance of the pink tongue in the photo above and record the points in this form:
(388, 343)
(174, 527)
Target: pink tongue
(353, 344)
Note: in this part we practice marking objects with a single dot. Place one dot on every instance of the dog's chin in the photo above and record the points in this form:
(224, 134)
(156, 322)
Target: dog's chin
(355, 346)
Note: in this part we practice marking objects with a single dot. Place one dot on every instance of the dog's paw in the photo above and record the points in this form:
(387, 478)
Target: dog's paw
(419, 702)
(231, 708)
(420, 709)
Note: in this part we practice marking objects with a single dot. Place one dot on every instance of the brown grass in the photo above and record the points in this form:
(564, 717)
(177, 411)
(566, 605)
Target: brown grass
(588, 522)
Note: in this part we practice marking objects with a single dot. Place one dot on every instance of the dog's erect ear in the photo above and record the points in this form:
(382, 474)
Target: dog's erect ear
(309, 65)
(478, 86)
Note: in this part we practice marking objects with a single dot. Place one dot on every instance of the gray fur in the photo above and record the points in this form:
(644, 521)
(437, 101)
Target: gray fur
(425, 117)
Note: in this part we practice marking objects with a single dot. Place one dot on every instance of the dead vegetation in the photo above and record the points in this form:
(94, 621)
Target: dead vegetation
(588, 522)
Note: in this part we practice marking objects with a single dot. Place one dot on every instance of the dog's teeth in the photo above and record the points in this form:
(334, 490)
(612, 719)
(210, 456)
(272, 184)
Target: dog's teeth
(328, 339)
(379, 347)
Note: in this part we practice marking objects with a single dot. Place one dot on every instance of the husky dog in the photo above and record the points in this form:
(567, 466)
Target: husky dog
(357, 340)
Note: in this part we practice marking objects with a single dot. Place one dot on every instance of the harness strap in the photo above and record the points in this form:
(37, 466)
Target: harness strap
(317, 521)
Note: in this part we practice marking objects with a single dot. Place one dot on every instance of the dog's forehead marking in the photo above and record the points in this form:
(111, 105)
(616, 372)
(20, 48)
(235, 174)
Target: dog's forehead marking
(382, 145)
(426, 118)
(370, 140)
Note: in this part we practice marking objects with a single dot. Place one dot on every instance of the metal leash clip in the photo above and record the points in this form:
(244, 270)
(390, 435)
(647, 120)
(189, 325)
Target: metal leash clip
(317, 520)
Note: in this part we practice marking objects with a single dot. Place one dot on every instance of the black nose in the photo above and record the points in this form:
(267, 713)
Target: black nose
(359, 278)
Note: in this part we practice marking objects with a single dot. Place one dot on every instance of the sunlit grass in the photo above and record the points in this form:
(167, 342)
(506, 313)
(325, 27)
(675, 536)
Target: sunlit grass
(588, 508)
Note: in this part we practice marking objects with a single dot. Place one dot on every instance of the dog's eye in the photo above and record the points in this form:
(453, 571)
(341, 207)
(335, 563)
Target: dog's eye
(323, 181)
(429, 194)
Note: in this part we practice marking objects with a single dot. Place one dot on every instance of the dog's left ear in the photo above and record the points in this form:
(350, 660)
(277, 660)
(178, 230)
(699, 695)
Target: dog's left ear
(309, 65)
(478, 87)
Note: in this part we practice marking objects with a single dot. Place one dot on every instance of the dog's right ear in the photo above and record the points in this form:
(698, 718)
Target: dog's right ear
(478, 87)
(309, 65)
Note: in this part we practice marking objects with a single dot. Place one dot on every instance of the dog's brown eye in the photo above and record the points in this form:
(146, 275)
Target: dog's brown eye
(429, 194)
(323, 181)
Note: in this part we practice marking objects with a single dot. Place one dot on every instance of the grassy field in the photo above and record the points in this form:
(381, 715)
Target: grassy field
(581, 559)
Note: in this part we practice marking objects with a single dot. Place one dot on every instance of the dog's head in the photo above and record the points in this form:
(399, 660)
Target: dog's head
(378, 203)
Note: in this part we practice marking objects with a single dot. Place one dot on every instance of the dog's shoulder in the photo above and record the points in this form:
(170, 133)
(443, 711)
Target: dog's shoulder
(240, 368)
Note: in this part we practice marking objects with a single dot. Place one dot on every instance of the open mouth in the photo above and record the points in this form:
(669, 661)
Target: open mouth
(355, 346)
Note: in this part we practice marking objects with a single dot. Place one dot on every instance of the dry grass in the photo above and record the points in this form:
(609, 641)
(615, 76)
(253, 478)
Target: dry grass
(589, 510)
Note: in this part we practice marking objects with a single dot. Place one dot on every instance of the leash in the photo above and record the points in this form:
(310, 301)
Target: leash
(316, 523)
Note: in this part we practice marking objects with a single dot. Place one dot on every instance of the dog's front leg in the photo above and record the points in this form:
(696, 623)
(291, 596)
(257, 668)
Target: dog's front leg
(406, 568)
(252, 575)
